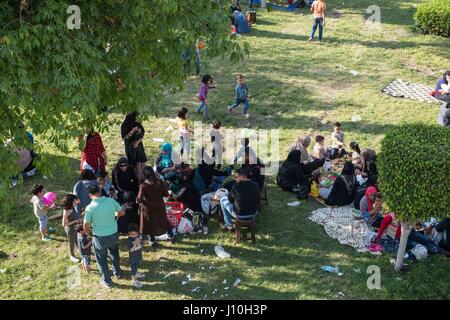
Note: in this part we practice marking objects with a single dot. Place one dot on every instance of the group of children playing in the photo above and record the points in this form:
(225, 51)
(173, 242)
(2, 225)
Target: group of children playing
(241, 95)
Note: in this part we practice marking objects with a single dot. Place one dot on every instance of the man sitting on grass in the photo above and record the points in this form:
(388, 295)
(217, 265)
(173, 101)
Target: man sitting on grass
(243, 201)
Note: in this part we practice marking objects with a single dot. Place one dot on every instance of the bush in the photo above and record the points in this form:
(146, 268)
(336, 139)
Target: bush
(433, 17)
(414, 171)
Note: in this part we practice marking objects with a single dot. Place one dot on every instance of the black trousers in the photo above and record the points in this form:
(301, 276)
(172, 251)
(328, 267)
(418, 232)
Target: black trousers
(444, 226)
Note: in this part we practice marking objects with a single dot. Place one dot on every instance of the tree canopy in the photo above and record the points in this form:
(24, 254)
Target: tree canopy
(59, 82)
(414, 171)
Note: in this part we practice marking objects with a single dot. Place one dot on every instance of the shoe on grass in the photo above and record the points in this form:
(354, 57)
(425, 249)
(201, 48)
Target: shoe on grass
(246, 115)
(46, 239)
(51, 229)
(310, 40)
(137, 284)
(139, 275)
(106, 284)
(74, 259)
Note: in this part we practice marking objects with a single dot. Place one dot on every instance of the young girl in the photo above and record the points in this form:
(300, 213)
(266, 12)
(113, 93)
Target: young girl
(184, 133)
(320, 152)
(41, 211)
(318, 9)
(84, 247)
(70, 220)
(356, 155)
(207, 83)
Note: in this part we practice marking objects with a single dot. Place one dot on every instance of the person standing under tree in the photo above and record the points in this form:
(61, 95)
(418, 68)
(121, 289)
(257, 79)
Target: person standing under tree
(132, 133)
(318, 9)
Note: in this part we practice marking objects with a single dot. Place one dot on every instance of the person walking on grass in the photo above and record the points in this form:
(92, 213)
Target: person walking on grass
(318, 10)
(100, 216)
(241, 96)
(207, 83)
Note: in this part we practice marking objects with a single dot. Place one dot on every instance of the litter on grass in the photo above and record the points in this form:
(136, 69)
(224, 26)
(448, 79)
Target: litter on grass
(226, 288)
(354, 72)
(236, 282)
(2, 270)
(28, 278)
(294, 204)
(196, 289)
(224, 281)
(169, 128)
(189, 277)
(356, 118)
(357, 270)
(158, 139)
(183, 283)
(168, 275)
(220, 252)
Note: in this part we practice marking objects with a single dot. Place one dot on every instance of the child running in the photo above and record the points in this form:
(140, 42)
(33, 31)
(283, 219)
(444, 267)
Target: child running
(41, 211)
(184, 133)
(318, 9)
(202, 95)
(241, 96)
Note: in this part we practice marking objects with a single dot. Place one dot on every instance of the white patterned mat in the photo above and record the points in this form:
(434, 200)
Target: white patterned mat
(339, 224)
(414, 91)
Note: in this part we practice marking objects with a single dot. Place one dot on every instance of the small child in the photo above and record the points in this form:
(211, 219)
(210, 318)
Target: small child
(106, 186)
(319, 148)
(244, 150)
(217, 143)
(184, 133)
(374, 217)
(207, 83)
(41, 211)
(84, 247)
(135, 254)
(241, 96)
(318, 9)
(337, 142)
(356, 155)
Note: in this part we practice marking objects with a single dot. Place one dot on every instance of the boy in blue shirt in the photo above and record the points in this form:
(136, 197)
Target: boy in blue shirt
(135, 254)
(241, 96)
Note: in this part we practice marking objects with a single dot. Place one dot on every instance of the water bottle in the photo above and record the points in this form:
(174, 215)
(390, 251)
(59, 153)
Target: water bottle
(330, 269)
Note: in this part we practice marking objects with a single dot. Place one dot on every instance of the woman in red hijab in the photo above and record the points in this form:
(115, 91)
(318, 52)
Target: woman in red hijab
(366, 203)
(93, 154)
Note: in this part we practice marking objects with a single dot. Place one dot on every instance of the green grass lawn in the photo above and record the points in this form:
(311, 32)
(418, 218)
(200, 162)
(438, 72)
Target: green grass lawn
(294, 86)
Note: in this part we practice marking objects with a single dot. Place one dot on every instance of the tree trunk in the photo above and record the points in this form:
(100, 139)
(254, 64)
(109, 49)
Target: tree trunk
(263, 4)
(406, 230)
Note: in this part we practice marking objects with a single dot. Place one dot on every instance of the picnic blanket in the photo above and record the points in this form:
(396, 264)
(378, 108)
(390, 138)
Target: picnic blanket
(414, 91)
(340, 224)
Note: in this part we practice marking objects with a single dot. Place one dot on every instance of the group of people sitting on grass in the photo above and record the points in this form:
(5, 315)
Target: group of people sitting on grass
(355, 185)
(132, 199)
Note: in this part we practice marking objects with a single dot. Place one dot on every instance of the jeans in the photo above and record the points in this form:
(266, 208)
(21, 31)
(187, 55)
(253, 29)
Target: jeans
(416, 238)
(134, 264)
(317, 22)
(43, 222)
(185, 146)
(229, 213)
(205, 107)
(244, 102)
(104, 247)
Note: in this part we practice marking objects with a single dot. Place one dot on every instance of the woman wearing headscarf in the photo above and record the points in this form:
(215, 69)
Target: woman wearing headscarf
(152, 208)
(207, 173)
(308, 165)
(164, 163)
(240, 22)
(369, 167)
(132, 133)
(93, 154)
(124, 179)
(290, 176)
(343, 189)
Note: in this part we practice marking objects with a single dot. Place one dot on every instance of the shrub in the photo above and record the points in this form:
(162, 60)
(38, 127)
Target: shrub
(433, 17)
(414, 171)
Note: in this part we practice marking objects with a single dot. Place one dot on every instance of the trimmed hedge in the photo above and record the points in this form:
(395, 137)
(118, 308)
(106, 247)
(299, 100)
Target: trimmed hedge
(433, 17)
(414, 171)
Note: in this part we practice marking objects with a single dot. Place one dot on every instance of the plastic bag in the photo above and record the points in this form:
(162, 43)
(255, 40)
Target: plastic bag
(420, 252)
(185, 226)
(326, 165)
